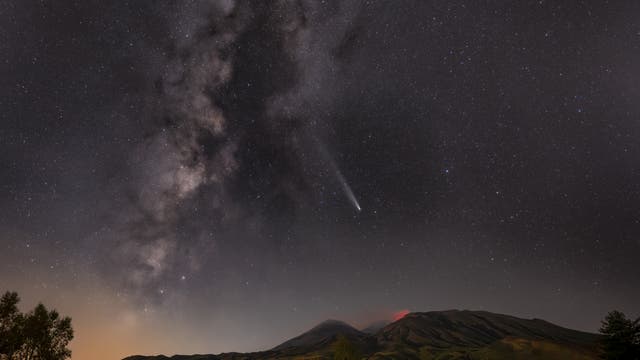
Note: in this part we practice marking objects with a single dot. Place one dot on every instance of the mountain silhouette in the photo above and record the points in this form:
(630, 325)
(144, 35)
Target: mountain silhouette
(483, 335)
(452, 335)
(324, 334)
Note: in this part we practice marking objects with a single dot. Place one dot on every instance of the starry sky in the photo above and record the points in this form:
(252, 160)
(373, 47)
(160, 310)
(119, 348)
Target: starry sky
(201, 176)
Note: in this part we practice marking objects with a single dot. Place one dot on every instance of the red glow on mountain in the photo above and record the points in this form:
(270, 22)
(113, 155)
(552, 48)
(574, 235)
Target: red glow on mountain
(400, 314)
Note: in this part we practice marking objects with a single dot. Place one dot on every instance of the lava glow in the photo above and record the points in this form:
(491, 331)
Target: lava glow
(400, 314)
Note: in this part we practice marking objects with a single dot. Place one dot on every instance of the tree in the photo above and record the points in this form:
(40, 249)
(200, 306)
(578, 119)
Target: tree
(38, 335)
(10, 325)
(345, 350)
(621, 337)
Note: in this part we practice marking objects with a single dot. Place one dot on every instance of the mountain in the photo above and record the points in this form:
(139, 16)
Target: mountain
(436, 335)
(481, 335)
(323, 335)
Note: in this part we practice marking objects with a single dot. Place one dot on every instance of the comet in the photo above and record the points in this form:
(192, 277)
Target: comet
(346, 188)
(336, 170)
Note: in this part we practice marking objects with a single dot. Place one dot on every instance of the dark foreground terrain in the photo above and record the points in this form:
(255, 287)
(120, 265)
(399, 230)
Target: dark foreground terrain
(434, 335)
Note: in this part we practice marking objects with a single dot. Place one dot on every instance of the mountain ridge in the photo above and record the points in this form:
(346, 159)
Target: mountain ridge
(323, 334)
(433, 335)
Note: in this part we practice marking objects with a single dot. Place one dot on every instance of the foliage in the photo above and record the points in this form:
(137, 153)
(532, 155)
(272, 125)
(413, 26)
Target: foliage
(38, 335)
(621, 337)
(343, 349)
(10, 324)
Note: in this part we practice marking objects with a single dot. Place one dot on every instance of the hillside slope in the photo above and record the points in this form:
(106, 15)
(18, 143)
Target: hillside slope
(480, 334)
(437, 335)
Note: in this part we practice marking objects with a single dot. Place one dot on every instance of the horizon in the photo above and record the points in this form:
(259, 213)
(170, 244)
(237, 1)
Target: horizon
(208, 176)
(356, 327)
(357, 321)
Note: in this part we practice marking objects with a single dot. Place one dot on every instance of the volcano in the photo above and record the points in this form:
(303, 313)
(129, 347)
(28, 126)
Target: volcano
(452, 334)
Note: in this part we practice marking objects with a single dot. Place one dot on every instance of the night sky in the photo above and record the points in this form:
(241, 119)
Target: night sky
(206, 176)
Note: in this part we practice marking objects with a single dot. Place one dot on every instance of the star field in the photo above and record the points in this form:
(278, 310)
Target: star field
(207, 176)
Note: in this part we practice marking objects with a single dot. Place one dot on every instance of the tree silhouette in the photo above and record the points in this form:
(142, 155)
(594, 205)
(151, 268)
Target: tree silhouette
(10, 325)
(38, 335)
(621, 337)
